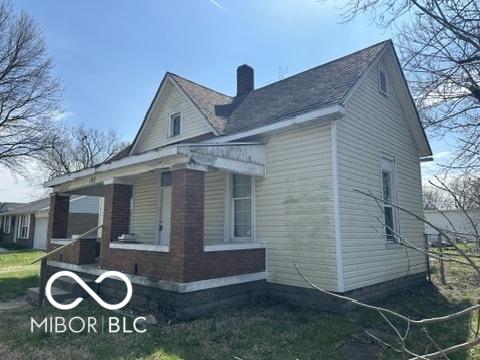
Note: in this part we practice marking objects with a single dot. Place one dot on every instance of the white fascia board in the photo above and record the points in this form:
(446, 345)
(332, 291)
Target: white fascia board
(128, 161)
(296, 120)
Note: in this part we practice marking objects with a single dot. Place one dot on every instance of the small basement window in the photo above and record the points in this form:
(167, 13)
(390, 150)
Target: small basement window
(175, 127)
(382, 81)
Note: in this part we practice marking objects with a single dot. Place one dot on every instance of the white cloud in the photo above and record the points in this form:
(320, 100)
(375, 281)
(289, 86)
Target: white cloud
(217, 4)
(59, 116)
(15, 188)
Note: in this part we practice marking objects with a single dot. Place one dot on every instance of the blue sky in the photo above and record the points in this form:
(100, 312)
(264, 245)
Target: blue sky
(112, 55)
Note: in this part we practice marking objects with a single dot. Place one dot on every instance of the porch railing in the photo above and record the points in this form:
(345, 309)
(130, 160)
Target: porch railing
(54, 251)
(43, 265)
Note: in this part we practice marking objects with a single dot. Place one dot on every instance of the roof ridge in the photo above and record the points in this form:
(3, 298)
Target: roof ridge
(326, 63)
(195, 83)
(279, 81)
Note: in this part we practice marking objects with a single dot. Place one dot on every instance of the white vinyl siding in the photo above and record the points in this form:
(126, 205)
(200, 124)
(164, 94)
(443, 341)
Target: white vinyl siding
(85, 204)
(374, 124)
(156, 130)
(144, 204)
(215, 190)
(294, 207)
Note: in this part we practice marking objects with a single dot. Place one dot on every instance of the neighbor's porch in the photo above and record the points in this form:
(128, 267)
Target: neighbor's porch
(188, 218)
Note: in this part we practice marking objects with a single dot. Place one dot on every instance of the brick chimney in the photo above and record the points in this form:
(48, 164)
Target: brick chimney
(244, 80)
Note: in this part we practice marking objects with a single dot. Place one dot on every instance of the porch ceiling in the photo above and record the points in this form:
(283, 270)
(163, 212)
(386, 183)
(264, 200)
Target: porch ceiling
(243, 158)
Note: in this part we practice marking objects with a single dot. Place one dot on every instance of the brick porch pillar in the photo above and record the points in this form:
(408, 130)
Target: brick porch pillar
(58, 217)
(186, 233)
(116, 214)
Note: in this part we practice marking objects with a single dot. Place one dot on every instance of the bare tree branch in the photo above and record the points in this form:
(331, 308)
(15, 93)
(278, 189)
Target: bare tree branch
(29, 94)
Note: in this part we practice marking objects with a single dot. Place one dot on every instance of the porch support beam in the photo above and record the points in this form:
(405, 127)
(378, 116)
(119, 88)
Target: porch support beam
(116, 215)
(186, 235)
(58, 216)
(234, 166)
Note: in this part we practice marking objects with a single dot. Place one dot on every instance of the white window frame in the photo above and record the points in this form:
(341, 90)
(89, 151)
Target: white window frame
(170, 124)
(388, 164)
(230, 215)
(380, 72)
(7, 224)
(22, 225)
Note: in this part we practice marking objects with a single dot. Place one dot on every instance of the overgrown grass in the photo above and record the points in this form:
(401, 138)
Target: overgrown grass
(265, 331)
(16, 272)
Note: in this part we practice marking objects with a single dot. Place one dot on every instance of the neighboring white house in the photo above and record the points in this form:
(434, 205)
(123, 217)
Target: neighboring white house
(27, 224)
(453, 220)
(224, 190)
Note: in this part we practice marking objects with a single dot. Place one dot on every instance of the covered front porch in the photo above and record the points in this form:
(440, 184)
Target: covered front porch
(181, 214)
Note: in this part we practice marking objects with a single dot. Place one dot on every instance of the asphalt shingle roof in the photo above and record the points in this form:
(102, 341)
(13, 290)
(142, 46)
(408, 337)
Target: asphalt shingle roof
(207, 100)
(30, 207)
(320, 86)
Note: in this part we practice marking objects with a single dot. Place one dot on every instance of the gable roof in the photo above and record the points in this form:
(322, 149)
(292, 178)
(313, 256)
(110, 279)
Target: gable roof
(7, 206)
(322, 86)
(31, 207)
(206, 100)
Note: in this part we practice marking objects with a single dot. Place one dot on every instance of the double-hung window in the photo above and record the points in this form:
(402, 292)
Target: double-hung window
(389, 191)
(7, 223)
(23, 226)
(241, 207)
(175, 126)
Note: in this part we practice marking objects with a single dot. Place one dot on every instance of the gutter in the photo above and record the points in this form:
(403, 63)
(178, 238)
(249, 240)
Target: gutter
(296, 120)
(173, 150)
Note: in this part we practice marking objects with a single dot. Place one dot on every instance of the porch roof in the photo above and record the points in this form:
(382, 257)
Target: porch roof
(242, 157)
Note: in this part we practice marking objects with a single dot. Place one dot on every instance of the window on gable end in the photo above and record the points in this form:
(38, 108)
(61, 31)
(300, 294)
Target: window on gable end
(382, 81)
(175, 125)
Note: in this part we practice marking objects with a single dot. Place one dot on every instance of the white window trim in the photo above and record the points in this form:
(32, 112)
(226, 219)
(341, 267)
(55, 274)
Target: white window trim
(7, 220)
(170, 124)
(229, 213)
(159, 211)
(20, 226)
(396, 213)
(380, 71)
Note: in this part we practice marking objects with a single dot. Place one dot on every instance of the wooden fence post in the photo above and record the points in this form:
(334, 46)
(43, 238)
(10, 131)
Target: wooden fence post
(442, 265)
(429, 277)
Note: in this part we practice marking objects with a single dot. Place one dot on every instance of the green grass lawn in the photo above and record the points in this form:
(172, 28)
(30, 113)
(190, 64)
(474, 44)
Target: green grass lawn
(16, 272)
(264, 331)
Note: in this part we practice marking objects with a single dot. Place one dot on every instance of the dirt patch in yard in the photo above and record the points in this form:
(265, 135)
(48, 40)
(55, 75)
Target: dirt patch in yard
(14, 305)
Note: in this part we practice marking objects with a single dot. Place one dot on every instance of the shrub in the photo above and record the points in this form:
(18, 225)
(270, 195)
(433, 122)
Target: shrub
(12, 246)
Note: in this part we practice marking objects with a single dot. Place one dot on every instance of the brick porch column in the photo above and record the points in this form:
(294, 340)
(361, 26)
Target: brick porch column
(186, 233)
(116, 214)
(58, 217)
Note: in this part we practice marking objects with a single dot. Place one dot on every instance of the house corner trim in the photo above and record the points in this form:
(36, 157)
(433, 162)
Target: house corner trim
(336, 207)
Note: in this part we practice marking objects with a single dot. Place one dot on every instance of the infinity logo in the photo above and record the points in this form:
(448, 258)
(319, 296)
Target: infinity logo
(77, 301)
